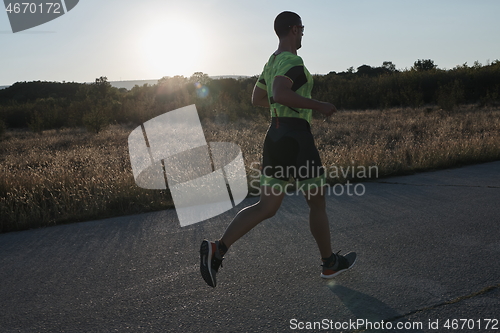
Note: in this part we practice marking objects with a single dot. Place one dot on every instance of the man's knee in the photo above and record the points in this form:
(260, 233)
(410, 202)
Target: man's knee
(269, 211)
(315, 200)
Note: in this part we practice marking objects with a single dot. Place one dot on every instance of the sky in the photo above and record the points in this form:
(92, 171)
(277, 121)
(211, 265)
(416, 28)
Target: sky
(150, 39)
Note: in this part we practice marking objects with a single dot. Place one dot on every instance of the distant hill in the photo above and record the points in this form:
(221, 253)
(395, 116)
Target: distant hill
(132, 83)
(229, 77)
(23, 92)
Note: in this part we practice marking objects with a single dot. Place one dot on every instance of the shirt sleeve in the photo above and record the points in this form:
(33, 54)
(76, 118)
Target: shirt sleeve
(293, 68)
(261, 82)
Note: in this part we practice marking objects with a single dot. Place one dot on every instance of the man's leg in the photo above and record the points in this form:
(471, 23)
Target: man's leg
(333, 264)
(318, 221)
(212, 253)
(249, 217)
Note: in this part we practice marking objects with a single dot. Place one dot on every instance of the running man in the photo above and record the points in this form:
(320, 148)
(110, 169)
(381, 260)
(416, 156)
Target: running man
(285, 87)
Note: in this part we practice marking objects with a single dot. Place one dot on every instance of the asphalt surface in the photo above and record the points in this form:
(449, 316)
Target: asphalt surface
(428, 254)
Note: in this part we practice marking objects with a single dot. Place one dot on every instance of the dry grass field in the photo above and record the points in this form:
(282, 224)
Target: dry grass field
(72, 175)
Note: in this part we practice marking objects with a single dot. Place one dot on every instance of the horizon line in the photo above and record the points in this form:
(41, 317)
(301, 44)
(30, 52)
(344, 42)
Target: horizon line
(131, 80)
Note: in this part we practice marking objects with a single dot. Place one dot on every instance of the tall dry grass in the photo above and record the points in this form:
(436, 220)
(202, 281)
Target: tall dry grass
(71, 175)
(401, 141)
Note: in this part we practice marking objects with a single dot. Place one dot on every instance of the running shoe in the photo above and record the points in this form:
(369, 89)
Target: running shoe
(210, 261)
(337, 264)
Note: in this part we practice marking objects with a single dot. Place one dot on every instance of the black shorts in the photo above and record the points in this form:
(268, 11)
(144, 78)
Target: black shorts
(290, 152)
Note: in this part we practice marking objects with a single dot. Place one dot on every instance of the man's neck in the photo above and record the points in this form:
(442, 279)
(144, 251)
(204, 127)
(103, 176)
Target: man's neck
(286, 45)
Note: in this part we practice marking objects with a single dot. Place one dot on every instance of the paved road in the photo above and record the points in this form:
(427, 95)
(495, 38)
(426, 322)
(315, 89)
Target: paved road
(428, 245)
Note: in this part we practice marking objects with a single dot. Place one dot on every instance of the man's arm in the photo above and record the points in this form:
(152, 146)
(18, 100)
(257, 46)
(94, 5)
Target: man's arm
(259, 97)
(283, 94)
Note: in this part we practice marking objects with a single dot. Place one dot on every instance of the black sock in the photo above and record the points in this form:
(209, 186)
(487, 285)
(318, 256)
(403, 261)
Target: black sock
(222, 248)
(330, 259)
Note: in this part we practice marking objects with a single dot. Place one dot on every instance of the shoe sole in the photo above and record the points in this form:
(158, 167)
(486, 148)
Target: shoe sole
(337, 273)
(206, 263)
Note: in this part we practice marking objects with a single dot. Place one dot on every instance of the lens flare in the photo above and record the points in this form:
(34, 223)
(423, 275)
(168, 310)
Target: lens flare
(201, 90)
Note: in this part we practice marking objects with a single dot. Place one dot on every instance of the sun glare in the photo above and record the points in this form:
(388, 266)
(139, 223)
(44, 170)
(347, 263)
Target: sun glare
(173, 47)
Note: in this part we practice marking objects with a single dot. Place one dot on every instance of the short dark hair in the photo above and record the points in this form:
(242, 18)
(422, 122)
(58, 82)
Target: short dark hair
(284, 22)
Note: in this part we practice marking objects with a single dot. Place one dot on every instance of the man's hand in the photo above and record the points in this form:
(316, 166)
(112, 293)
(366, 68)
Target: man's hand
(326, 108)
(283, 94)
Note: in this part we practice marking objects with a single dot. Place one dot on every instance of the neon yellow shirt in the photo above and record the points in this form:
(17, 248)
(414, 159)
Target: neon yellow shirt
(291, 66)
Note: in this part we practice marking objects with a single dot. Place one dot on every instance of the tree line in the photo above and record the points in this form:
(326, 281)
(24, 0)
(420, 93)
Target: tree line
(51, 105)
(423, 84)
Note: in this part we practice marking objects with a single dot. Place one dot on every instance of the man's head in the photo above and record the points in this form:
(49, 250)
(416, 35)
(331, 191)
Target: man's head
(289, 25)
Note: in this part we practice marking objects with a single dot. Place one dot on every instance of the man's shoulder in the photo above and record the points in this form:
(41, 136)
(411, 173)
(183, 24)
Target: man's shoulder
(283, 62)
(290, 60)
